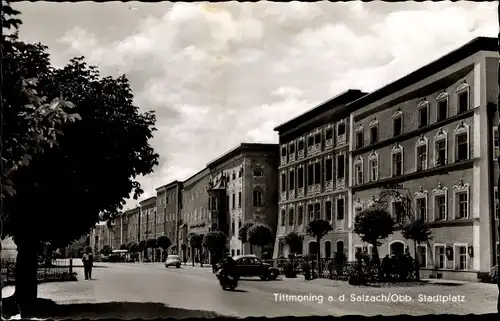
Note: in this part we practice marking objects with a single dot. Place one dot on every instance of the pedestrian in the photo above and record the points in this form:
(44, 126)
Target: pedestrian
(88, 261)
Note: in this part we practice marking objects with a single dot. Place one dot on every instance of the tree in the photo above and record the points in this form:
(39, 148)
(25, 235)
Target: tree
(111, 142)
(260, 235)
(318, 229)
(141, 246)
(374, 224)
(419, 232)
(164, 243)
(215, 242)
(106, 250)
(294, 242)
(133, 247)
(123, 246)
(196, 243)
(151, 244)
(243, 235)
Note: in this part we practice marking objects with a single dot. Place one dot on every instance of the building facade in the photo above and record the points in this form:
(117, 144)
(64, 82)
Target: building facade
(100, 236)
(243, 187)
(194, 212)
(422, 138)
(131, 225)
(313, 175)
(168, 209)
(148, 219)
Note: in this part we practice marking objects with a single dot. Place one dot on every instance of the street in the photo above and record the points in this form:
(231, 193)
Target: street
(142, 290)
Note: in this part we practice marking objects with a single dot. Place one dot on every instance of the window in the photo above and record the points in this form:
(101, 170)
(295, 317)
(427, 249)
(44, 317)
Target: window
(463, 101)
(291, 149)
(340, 166)
(329, 133)
(283, 217)
(317, 138)
(239, 225)
(440, 261)
(462, 147)
(300, 144)
(373, 134)
(423, 114)
(234, 201)
(239, 199)
(310, 211)
(300, 215)
(283, 182)
(440, 208)
(240, 172)
(234, 175)
(290, 216)
(463, 205)
(317, 172)
(328, 210)
(329, 169)
(300, 178)
(358, 170)
(441, 152)
(373, 166)
(167, 199)
(461, 257)
(257, 196)
(233, 228)
(359, 139)
(358, 249)
(317, 211)
(397, 123)
(340, 209)
(283, 151)
(422, 209)
(258, 172)
(310, 141)
(496, 143)
(397, 162)
(341, 129)
(291, 183)
(421, 154)
(310, 174)
(442, 109)
(237, 252)
(422, 255)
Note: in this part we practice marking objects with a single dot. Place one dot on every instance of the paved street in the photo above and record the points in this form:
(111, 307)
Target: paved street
(197, 289)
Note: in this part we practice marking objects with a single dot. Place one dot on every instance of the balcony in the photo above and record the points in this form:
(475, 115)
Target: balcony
(329, 186)
(340, 183)
(300, 154)
(281, 230)
(291, 194)
(310, 150)
(329, 144)
(341, 139)
(317, 188)
(291, 157)
(339, 225)
(283, 196)
(317, 148)
(283, 160)
(310, 190)
(300, 192)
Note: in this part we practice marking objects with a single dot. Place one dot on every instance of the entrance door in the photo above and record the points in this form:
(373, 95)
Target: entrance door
(397, 248)
(313, 248)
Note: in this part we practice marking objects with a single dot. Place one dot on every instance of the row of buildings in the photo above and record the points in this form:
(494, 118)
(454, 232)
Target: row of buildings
(431, 135)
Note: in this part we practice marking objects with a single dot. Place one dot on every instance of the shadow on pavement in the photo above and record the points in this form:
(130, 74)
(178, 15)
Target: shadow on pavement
(48, 309)
(259, 280)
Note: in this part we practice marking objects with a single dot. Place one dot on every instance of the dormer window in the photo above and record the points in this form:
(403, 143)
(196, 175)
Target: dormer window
(442, 106)
(423, 114)
(397, 123)
(463, 99)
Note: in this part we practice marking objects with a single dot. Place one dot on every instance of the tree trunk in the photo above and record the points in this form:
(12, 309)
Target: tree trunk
(200, 250)
(26, 281)
(375, 254)
(417, 265)
(193, 254)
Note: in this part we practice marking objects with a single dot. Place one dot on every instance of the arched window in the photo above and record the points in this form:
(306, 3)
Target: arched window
(257, 196)
(328, 249)
(313, 248)
(258, 172)
(340, 247)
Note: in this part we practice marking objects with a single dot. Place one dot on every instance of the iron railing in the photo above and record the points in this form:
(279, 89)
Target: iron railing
(56, 271)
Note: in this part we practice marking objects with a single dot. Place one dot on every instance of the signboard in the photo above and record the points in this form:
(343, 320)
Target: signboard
(394, 186)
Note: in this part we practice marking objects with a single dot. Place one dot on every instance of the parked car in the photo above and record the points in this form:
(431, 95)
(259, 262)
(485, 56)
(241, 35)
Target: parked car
(250, 265)
(173, 260)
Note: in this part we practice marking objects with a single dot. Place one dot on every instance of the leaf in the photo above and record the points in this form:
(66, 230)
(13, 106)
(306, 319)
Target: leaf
(9, 190)
(26, 159)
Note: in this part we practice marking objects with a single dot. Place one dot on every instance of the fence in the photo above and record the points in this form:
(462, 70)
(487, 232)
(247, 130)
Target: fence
(58, 270)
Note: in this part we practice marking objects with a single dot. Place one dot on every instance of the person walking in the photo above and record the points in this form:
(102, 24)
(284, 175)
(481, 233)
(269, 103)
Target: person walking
(88, 261)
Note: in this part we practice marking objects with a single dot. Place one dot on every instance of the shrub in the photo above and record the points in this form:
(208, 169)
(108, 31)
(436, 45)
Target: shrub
(494, 274)
(289, 270)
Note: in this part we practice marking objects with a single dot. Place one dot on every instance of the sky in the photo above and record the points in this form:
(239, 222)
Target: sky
(218, 74)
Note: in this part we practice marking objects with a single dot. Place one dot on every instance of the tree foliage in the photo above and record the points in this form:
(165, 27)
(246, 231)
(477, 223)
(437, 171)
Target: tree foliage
(372, 225)
(106, 250)
(163, 242)
(123, 246)
(151, 244)
(260, 235)
(294, 242)
(318, 229)
(242, 233)
(133, 247)
(215, 242)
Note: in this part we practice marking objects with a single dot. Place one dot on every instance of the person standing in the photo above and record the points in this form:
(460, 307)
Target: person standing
(88, 261)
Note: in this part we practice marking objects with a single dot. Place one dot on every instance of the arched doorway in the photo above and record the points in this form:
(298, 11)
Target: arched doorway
(396, 248)
(340, 247)
(328, 249)
(313, 248)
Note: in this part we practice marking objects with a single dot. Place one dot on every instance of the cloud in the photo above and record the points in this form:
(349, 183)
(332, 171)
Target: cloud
(221, 73)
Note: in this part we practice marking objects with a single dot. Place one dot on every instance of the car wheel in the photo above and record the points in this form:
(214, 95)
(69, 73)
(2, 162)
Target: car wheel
(273, 276)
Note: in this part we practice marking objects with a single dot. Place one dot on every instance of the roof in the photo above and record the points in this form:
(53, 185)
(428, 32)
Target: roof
(169, 185)
(453, 57)
(244, 147)
(341, 99)
(196, 177)
(148, 200)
